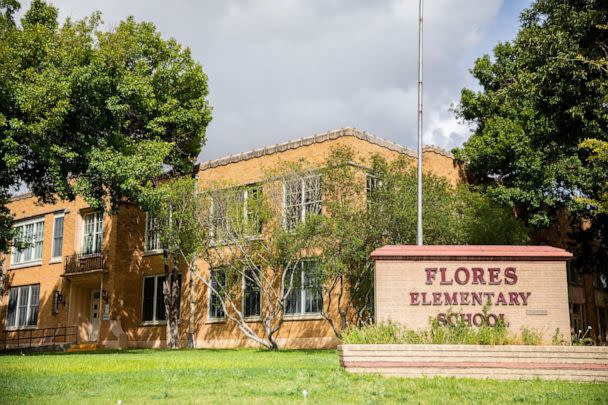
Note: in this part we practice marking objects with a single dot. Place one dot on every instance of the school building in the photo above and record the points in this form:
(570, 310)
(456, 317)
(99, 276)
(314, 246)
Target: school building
(93, 277)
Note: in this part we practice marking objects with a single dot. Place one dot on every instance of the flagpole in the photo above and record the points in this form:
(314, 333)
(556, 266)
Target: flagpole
(419, 240)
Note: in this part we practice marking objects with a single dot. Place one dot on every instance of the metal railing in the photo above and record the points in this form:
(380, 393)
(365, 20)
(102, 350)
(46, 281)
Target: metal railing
(83, 263)
(30, 338)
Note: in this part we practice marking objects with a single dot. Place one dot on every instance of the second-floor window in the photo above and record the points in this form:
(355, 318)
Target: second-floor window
(57, 236)
(236, 213)
(23, 306)
(303, 289)
(93, 233)
(30, 235)
(303, 197)
(152, 238)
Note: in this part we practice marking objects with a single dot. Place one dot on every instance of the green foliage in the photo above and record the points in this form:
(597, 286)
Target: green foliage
(181, 213)
(598, 159)
(541, 96)
(358, 221)
(83, 111)
(582, 338)
(456, 333)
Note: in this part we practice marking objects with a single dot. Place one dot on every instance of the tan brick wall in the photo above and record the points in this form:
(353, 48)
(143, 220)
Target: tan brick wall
(546, 309)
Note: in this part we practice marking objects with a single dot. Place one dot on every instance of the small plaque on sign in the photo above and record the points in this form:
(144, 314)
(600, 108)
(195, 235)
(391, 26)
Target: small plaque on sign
(106, 312)
(537, 312)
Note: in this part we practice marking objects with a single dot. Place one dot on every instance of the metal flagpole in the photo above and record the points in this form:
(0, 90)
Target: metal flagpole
(419, 228)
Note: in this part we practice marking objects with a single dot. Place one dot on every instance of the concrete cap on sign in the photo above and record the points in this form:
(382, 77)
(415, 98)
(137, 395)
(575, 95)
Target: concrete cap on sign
(414, 252)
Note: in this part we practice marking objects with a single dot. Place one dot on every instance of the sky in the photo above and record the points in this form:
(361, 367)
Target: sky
(285, 69)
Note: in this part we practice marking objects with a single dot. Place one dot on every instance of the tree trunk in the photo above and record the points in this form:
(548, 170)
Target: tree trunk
(191, 344)
(170, 298)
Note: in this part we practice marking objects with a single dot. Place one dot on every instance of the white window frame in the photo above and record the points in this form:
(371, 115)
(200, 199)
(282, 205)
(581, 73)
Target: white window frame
(57, 259)
(33, 261)
(213, 319)
(302, 204)
(302, 314)
(158, 248)
(251, 317)
(96, 249)
(20, 288)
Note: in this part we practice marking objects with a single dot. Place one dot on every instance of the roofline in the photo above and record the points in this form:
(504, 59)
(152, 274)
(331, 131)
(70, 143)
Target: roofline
(470, 252)
(317, 138)
(22, 196)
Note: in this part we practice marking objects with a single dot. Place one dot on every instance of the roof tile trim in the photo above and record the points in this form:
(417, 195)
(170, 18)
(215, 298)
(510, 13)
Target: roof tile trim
(317, 138)
(468, 251)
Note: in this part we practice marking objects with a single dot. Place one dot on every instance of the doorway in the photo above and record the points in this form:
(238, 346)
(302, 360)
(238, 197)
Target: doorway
(94, 316)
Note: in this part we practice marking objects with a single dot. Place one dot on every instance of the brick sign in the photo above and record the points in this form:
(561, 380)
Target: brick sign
(525, 286)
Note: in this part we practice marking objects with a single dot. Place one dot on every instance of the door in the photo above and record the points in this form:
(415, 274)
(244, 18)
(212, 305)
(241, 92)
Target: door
(94, 316)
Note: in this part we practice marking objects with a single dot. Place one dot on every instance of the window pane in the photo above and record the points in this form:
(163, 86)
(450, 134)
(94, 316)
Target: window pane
(22, 306)
(312, 291)
(161, 314)
(12, 307)
(38, 238)
(312, 195)
(254, 211)
(58, 237)
(33, 310)
(252, 293)
(293, 203)
(218, 284)
(152, 233)
(293, 299)
(93, 232)
(148, 306)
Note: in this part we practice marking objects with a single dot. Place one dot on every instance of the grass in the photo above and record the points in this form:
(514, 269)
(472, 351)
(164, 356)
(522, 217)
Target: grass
(252, 377)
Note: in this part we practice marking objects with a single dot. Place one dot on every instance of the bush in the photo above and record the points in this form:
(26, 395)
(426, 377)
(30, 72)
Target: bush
(451, 333)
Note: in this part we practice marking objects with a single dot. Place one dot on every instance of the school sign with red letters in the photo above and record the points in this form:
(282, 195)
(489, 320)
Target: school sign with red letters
(524, 286)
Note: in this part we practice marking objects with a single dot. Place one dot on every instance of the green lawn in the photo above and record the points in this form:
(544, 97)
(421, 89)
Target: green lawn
(250, 376)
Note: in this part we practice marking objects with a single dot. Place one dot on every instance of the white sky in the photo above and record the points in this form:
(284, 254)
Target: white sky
(285, 69)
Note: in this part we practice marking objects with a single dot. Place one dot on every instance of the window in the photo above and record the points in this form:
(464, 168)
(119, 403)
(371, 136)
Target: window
(305, 294)
(218, 284)
(23, 306)
(57, 237)
(30, 234)
(302, 196)
(154, 299)
(236, 212)
(93, 233)
(152, 237)
(252, 296)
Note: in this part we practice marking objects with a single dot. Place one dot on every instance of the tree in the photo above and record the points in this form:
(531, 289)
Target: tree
(179, 213)
(541, 95)
(94, 113)
(256, 249)
(369, 208)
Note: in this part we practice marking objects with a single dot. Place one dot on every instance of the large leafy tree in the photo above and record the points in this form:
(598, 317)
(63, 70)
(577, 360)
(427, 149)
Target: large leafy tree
(541, 95)
(365, 213)
(93, 113)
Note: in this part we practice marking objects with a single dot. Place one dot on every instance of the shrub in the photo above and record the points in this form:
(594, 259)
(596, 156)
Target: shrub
(451, 333)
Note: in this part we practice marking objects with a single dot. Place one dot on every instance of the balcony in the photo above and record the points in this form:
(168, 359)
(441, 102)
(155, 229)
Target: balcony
(85, 263)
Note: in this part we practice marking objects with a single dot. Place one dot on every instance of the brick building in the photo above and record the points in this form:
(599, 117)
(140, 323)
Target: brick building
(96, 277)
